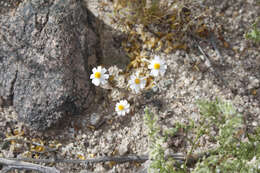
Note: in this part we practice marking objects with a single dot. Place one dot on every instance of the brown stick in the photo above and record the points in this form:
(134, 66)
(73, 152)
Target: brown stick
(118, 159)
(15, 164)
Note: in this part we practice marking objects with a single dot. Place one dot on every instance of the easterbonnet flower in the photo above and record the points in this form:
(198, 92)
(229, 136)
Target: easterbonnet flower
(98, 76)
(137, 83)
(157, 66)
(122, 107)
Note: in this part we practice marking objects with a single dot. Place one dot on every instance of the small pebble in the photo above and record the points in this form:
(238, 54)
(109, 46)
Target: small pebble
(95, 119)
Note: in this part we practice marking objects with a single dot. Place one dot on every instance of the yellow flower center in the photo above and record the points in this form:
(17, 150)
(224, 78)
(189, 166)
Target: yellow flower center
(137, 81)
(121, 107)
(97, 75)
(156, 66)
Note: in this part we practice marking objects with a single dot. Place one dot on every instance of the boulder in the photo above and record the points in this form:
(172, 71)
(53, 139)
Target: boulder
(44, 50)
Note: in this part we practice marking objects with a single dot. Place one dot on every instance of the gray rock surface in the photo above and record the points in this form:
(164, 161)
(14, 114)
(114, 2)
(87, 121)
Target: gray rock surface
(44, 50)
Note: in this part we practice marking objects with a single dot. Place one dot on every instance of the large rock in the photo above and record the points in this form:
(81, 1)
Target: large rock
(44, 50)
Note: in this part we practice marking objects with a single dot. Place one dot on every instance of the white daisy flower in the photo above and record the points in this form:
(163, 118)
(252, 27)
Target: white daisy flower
(122, 107)
(99, 77)
(157, 66)
(137, 83)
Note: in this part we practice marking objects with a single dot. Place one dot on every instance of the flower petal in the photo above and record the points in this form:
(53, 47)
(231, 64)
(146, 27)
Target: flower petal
(162, 72)
(103, 82)
(156, 57)
(106, 76)
(94, 70)
(92, 76)
(96, 82)
(99, 68)
(127, 110)
(150, 66)
(104, 70)
(155, 72)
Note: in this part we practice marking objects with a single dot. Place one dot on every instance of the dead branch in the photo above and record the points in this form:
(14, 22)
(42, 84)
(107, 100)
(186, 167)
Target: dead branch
(15, 164)
(22, 163)
(117, 159)
(213, 42)
(206, 59)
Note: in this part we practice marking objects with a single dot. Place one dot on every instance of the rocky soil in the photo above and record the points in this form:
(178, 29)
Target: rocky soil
(233, 76)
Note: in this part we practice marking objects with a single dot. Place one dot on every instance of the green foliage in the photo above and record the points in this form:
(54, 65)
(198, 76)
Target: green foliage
(158, 162)
(254, 33)
(234, 153)
(236, 150)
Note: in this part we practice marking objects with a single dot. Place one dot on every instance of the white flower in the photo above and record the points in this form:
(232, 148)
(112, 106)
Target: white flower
(99, 77)
(122, 107)
(136, 83)
(157, 66)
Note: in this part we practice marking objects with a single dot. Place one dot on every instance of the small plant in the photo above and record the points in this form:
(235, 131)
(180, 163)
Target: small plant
(157, 152)
(254, 33)
(235, 150)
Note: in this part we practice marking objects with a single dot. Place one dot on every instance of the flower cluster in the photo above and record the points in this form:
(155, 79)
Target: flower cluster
(136, 83)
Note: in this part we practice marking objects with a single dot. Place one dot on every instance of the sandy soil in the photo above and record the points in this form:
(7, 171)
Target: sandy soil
(235, 77)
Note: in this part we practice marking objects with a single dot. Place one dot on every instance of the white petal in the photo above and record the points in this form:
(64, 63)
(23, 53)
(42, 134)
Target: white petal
(99, 69)
(123, 113)
(162, 61)
(132, 87)
(162, 72)
(155, 72)
(103, 81)
(158, 62)
(106, 76)
(163, 67)
(127, 110)
(119, 113)
(122, 102)
(132, 77)
(104, 70)
(143, 83)
(125, 102)
(150, 66)
(127, 106)
(137, 90)
(131, 82)
(156, 57)
(92, 76)
(94, 70)
(96, 81)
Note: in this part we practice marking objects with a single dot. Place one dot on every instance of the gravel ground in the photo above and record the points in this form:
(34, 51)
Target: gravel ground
(235, 77)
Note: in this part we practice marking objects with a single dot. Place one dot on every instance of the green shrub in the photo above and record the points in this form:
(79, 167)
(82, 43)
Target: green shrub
(254, 33)
(235, 150)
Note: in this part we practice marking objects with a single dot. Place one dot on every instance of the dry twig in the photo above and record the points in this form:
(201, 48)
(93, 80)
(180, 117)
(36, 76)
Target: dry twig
(118, 159)
(14, 164)
(206, 59)
(22, 163)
